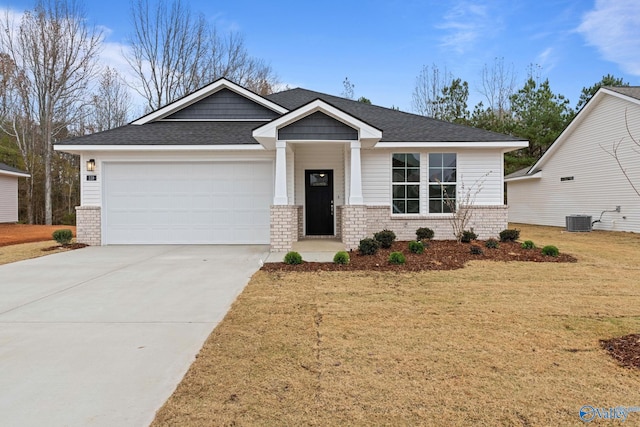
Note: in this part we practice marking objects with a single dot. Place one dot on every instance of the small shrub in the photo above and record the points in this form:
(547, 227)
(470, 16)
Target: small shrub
(397, 258)
(467, 236)
(63, 236)
(424, 233)
(492, 243)
(509, 235)
(550, 250)
(476, 250)
(368, 246)
(385, 238)
(293, 258)
(416, 247)
(528, 244)
(341, 257)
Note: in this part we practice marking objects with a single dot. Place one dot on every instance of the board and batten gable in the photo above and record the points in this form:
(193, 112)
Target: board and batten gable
(224, 105)
(318, 126)
(475, 168)
(581, 178)
(8, 199)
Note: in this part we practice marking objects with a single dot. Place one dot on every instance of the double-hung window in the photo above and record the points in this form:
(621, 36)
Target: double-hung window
(406, 183)
(442, 182)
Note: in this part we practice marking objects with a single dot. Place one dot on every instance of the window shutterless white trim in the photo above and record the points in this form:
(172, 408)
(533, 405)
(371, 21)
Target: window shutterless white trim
(441, 182)
(406, 185)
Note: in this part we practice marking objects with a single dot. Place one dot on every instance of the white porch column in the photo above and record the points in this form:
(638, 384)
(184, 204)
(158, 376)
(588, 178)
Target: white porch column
(280, 192)
(355, 196)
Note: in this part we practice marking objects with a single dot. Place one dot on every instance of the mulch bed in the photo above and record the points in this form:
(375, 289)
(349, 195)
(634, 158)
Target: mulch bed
(626, 350)
(439, 255)
(14, 234)
(70, 246)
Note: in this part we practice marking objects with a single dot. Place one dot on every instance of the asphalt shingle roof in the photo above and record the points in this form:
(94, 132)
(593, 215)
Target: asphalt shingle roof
(172, 133)
(5, 167)
(631, 91)
(396, 126)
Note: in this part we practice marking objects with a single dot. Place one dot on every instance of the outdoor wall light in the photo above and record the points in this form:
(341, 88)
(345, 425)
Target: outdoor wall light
(91, 165)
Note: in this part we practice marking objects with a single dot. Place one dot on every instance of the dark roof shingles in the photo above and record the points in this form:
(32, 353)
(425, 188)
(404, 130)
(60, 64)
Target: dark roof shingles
(7, 168)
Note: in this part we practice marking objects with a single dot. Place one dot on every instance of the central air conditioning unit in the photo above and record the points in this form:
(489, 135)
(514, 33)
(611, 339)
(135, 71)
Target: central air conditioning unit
(578, 223)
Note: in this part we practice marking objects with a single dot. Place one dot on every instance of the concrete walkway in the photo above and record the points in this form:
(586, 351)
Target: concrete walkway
(101, 336)
(311, 250)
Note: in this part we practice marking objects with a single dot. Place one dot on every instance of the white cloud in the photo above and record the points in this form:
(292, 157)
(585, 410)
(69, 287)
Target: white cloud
(465, 23)
(613, 28)
(547, 59)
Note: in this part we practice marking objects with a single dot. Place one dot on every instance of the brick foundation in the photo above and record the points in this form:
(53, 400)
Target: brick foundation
(89, 225)
(354, 225)
(486, 221)
(284, 227)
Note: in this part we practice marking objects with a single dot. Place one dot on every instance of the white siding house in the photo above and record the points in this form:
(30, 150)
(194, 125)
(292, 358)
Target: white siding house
(9, 192)
(579, 176)
(225, 165)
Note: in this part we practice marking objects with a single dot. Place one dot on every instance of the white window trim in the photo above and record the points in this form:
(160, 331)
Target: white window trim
(420, 187)
(429, 184)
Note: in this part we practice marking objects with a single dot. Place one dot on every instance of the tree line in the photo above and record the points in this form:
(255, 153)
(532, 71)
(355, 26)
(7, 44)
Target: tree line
(532, 111)
(52, 86)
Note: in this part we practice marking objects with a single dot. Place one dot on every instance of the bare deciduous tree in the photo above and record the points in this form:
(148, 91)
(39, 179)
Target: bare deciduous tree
(174, 52)
(111, 102)
(427, 94)
(461, 204)
(498, 85)
(56, 53)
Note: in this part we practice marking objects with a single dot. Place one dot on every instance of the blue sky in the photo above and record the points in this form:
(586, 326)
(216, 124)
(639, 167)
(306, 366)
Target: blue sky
(381, 46)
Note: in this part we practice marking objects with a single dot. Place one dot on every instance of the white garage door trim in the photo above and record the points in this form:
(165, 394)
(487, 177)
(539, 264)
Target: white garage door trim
(187, 202)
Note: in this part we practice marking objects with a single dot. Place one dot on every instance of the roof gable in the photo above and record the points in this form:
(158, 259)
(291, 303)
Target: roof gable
(268, 133)
(629, 94)
(224, 104)
(205, 92)
(318, 126)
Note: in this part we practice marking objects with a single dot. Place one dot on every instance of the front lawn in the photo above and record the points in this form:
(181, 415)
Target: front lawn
(493, 343)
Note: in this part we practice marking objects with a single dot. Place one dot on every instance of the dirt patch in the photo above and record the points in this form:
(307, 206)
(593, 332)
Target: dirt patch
(439, 255)
(626, 349)
(13, 234)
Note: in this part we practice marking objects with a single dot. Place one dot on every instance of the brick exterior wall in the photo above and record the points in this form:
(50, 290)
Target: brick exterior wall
(486, 221)
(354, 224)
(284, 227)
(88, 225)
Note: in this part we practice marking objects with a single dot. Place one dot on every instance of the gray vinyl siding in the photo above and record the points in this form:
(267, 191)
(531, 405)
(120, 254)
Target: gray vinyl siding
(318, 126)
(8, 199)
(224, 105)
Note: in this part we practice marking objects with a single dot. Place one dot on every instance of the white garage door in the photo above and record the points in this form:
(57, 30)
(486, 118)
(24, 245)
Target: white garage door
(177, 203)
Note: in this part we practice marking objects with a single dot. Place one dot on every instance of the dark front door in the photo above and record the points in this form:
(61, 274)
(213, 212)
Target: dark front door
(319, 202)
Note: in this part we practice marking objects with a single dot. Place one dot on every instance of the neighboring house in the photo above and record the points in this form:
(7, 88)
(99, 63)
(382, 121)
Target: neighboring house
(577, 174)
(225, 165)
(9, 192)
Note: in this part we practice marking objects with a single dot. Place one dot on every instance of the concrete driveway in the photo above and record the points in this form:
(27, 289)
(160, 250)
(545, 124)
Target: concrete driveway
(101, 336)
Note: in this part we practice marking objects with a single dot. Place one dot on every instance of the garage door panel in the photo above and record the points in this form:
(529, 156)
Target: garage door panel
(201, 203)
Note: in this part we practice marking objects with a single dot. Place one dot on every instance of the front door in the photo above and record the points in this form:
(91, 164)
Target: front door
(319, 202)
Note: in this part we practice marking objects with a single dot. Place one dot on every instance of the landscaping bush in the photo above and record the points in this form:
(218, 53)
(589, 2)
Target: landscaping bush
(341, 257)
(368, 246)
(416, 247)
(492, 243)
(397, 258)
(528, 244)
(424, 233)
(476, 250)
(550, 250)
(509, 235)
(293, 258)
(468, 236)
(63, 236)
(385, 238)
